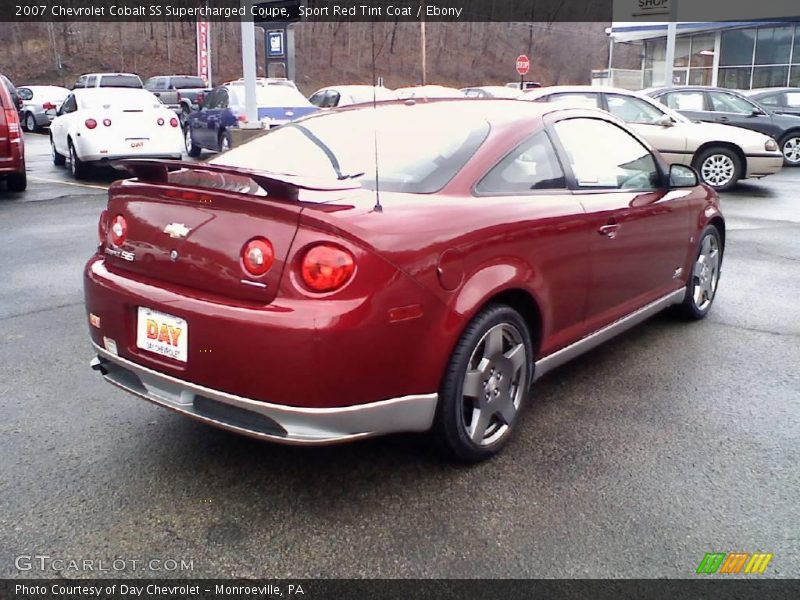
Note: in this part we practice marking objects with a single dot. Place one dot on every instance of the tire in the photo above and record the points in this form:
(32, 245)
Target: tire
(191, 149)
(719, 167)
(225, 141)
(29, 123)
(17, 182)
(185, 111)
(79, 169)
(790, 146)
(703, 281)
(59, 159)
(485, 385)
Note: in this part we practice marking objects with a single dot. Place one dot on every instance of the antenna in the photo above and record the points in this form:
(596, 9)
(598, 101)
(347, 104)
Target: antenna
(378, 207)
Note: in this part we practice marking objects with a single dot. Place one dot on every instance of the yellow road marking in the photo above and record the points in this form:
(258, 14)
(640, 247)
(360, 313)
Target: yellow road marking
(75, 183)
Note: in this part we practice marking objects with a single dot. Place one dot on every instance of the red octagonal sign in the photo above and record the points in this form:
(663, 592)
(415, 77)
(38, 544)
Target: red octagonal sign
(523, 64)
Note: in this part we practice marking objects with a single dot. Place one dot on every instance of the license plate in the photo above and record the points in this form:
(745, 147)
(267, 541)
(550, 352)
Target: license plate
(139, 144)
(162, 334)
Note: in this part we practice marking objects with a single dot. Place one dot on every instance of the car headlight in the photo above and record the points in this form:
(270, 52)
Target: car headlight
(771, 145)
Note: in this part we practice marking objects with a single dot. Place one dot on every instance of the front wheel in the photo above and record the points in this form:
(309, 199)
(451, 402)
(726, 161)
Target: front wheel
(191, 149)
(790, 146)
(720, 168)
(485, 385)
(701, 288)
(79, 168)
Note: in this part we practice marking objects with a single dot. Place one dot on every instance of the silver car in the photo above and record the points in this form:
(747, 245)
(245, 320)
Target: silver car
(39, 105)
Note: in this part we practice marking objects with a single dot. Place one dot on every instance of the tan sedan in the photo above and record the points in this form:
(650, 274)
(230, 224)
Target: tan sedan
(721, 154)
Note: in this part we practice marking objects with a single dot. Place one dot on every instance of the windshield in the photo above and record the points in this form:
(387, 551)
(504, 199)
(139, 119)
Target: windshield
(185, 83)
(272, 96)
(126, 81)
(419, 149)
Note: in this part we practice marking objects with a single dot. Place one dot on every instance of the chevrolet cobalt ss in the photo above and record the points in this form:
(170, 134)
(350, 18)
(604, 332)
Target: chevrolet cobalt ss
(404, 267)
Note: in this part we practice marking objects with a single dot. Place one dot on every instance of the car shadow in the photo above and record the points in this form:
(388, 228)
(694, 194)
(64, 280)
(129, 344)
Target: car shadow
(750, 190)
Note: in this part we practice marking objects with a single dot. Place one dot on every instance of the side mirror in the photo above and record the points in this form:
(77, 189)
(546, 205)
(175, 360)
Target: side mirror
(682, 176)
(665, 121)
(757, 112)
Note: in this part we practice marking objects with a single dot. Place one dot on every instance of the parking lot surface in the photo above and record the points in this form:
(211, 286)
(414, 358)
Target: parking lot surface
(671, 441)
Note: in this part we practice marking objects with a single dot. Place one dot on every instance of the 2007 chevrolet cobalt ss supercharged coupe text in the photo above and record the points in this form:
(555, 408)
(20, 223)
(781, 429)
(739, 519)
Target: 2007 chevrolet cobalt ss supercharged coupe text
(294, 290)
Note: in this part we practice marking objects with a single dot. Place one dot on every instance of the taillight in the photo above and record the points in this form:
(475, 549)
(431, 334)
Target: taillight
(119, 230)
(242, 118)
(173, 122)
(102, 226)
(107, 122)
(49, 106)
(160, 121)
(90, 123)
(257, 256)
(12, 120)
(326, 268)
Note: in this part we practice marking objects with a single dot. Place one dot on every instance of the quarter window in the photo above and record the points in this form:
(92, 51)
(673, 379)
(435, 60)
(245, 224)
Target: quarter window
(613, 160)
(633, 110)
(730, 104)
(531, 166)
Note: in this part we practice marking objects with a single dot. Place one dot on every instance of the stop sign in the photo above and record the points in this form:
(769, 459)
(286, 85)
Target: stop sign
(523, 64)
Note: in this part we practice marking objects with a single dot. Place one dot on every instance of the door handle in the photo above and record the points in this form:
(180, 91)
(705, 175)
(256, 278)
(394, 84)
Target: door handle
(723, 119)
(610, 230)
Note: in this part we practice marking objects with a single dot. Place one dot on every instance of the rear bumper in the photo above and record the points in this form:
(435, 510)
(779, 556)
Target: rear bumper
(761, 166)
(273, 422)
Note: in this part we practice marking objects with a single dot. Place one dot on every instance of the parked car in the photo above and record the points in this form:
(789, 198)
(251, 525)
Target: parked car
(181, 93)
(267, 81)
(427, 91)
(223, 109)
(345, 95)
(298, 305)
(721, 154)
(123, 80)
(526, 85)
(12, 146)
(39, 105)
(99, 125)
(784, 101)
(718, 105)
(492, 91)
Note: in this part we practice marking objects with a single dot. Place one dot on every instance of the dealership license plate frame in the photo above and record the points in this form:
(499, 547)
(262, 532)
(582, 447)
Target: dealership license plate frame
(177, 350)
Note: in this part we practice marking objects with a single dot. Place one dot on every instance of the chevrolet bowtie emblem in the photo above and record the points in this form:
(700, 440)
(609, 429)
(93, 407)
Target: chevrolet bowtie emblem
(177, 230)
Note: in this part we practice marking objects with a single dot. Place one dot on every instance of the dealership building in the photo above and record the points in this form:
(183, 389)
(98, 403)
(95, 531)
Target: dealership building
(738, 55)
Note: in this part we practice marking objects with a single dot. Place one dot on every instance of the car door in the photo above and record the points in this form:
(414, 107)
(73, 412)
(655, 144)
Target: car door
(554, 232)
(199, 121)
(59, 128)
(690, 103)
(650, 122)
(730, 109)
(640, 228)
(217, 118)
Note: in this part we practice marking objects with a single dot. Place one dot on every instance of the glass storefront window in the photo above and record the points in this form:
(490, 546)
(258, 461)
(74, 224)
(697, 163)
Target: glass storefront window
(794, 77)
(682, 46)
(770, 76)
(796, 56)
(702, 51)
(774, 45)
(737, 78)
(700, 76)
(737, 47)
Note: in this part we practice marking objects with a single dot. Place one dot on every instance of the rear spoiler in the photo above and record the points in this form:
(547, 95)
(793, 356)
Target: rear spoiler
(157, 171)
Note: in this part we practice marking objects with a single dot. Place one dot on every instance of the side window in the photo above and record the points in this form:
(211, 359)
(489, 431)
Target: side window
(150, 84)
(793, 99)
(91, 81)
(25, 93)
(332, 99)
(81, 82)
(223, 98)
(577, 100)
(212, 100)
(772, 100)
(633, 110)
(70, 105)
(729, 103)
(614, 160)
(531, 166)
(685, 100)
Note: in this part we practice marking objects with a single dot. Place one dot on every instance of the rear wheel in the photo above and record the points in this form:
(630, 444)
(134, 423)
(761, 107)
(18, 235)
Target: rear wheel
(59, 159)
(485, 385)
(790, 146)
(17, 182)
(191, 149)
(701, 288)
(225, 141)
(30, 122)
(719, 167)
(76, 165)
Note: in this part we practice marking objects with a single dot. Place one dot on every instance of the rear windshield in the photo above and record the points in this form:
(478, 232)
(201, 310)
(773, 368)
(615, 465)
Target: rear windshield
(126, 81)
(419, 150)
(272, 96)
(118, 100)
(185, 83)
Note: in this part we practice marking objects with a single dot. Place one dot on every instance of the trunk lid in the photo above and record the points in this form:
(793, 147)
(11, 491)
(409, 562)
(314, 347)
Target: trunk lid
(190, 226)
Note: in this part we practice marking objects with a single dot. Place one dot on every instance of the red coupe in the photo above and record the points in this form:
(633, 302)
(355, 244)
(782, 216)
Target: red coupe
(404, 267)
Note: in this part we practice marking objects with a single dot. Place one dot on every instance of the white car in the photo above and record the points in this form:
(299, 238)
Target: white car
(721, 154)
(428, 91)
(123, 80)
(97, 125)
(492, 91)
(347, 95)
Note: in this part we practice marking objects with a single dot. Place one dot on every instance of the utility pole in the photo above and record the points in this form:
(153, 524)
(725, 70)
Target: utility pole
(424, 45)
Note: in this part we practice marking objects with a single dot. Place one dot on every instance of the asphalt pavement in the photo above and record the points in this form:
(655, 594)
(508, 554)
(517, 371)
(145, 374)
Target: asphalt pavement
(674, 440)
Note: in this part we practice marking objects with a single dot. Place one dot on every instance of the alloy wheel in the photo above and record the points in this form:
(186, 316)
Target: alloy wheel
(73, 160)
(705, 275)
(718, 170)
(493, 386)
(30, 123)
(187, 138)
(791, 150)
